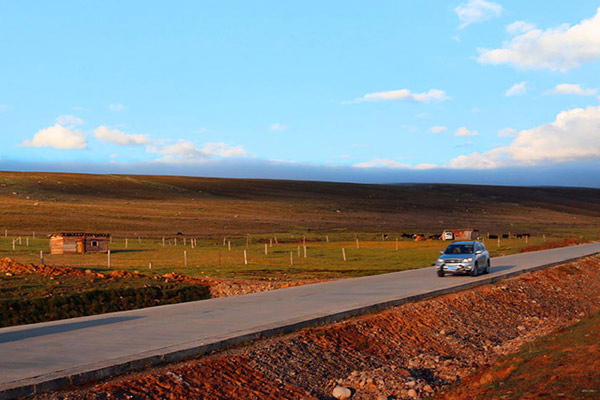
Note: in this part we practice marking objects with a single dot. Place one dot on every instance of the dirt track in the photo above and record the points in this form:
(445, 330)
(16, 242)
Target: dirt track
(420, 347)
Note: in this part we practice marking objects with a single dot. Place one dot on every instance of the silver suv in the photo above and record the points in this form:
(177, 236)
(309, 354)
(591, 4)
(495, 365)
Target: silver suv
(469, 257)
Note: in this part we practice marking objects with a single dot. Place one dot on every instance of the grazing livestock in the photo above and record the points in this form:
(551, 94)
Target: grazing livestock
(493, 236)
(505, 236)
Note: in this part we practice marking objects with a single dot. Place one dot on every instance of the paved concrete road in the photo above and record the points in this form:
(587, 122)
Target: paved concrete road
(43, 356)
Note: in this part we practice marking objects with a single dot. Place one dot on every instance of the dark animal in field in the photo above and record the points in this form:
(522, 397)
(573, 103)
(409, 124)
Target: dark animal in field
(528, 235)
(505, 236)
(519, 236)
(407, 235)
(493, 236)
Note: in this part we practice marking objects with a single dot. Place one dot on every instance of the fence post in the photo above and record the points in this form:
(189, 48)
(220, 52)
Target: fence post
(42, 257)
(357, 244)
(163, 241)
(344, 253)
(185, 258)
(150, 265)
(245, 257)
(327, 238)
(304, 251)
(229, 245)
(266, 249)
(126, 242)
(396, 244)
(291, 258)
(108, 261)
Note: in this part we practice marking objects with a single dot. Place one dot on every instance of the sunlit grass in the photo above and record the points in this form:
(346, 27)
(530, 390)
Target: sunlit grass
(284, 259)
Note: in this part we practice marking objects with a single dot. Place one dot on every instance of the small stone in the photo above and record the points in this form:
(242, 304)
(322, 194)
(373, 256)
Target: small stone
(412, 393)
(428, 389)
(341, 393)
(382, 397)
(410, 383)
(486, 378)
(521, 328)
(9, 274)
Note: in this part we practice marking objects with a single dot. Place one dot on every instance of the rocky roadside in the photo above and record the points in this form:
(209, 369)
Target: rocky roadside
(408, 352)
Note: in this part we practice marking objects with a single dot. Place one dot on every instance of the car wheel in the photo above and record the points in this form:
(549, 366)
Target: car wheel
(441, 273)
(487, 267)
(475, 271)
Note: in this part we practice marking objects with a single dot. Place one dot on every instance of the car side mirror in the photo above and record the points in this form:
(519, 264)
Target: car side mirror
(478, 252)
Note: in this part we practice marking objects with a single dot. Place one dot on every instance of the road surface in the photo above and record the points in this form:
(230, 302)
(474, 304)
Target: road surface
(40, 357)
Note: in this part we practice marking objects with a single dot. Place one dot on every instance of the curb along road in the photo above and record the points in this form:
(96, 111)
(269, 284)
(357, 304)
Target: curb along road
(42, 357)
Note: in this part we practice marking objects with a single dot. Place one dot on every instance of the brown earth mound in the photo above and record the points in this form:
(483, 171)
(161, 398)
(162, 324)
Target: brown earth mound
(406, 352)
(218, 287)
(554, 244)
(12, 267)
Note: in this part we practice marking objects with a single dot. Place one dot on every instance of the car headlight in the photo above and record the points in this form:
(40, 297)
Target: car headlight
(468, 259)
(439, 261)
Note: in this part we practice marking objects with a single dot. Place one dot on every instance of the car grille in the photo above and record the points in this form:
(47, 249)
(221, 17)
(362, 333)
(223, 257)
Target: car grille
(453, 260)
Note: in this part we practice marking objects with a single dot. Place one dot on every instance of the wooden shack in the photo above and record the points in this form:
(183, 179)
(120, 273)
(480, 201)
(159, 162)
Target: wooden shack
(79, 243)
(460, 234)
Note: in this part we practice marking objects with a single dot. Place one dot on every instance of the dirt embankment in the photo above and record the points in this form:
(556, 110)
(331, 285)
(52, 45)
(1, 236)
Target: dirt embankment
(218, 287)
(406, 352)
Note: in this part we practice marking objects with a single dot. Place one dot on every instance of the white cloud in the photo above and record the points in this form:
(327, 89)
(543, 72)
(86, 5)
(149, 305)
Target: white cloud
(477, 11)
(437, 129)
(462, 131)
(58, 137)
(116, 107)
(574, 135)
(507, 132)
(223, 150)
(405, 95)
(569, 88)
(69, 120)
(117, 137)
(187, 151)
(519, 27)
(517, 89)
(277, 127)
(381, 163)
(560, 48)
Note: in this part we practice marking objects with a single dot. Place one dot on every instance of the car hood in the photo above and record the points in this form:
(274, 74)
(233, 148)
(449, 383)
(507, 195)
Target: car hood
(453, 256)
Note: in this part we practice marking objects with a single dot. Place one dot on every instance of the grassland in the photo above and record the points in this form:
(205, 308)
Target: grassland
(156, 206)
(144, 209)
(284, 260)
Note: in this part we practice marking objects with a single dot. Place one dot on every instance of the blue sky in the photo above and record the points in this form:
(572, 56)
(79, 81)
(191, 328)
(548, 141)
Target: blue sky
(342, 90)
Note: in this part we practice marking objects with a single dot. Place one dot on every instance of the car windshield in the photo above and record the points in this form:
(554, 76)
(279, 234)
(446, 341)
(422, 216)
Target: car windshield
(459, 249)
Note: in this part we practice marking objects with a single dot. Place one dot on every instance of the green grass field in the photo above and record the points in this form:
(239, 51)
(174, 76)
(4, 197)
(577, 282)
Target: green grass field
(324, 260)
